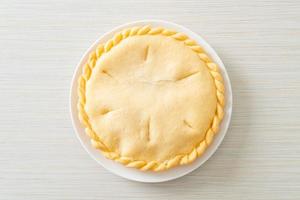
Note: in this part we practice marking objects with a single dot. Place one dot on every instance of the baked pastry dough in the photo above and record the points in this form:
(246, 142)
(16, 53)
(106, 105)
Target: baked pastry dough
(150, 98)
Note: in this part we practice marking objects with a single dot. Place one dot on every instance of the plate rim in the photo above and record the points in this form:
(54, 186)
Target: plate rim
(134, 174)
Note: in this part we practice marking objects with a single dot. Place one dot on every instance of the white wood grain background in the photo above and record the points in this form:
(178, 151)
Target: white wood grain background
(40, 45)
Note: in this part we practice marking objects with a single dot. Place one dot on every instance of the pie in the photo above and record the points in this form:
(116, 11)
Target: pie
(150, 98)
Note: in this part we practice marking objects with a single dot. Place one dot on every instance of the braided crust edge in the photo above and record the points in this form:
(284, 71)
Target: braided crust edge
(140, 164)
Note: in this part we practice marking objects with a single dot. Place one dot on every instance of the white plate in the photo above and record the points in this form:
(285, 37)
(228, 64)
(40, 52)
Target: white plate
(134, 174)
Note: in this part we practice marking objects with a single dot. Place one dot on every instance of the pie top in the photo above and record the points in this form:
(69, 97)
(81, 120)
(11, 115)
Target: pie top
(150, 98)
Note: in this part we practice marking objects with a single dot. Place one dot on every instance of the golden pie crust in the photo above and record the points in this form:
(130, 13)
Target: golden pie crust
(150, 98)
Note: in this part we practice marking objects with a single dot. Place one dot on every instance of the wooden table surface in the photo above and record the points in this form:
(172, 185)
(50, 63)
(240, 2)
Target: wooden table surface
(42, 41)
